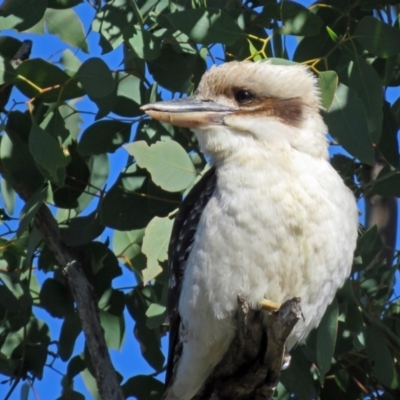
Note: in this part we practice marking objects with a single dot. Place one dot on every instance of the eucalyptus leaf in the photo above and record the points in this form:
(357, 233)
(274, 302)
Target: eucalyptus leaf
(326, 338)
(206, 25)
(66, 24)
(144, 44)
(47, 153)
(347, 122)
(21, 14)
(30, 209)
(381, 358)
(327, 82)
(95, 77)
(39, 78)
(168, 163)
(70, 330)
(298, 20)
(104, 136)
(378, 37)
(365, 82)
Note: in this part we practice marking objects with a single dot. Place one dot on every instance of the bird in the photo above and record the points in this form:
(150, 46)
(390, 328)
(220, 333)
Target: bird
(270, 220)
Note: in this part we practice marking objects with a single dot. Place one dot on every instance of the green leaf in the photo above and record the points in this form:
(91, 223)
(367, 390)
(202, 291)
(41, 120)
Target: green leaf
(132, 211)
(127, 244)
(70, 330)
(15, 154)
(114, 329)
(365, 82)
(298, 20)
(35, 333)
(91, 384)
(12, 282)
(104, 265)
(110, 22)
(76, 181)
(312, 47)
(381, 358)
(95, 77)
(8, 195)
(327, 82)
(112, 301)
(99, 168)
(56, 299)
(82, 230)
(155, 315)
(387, 183)
(48, 153)
(30, 209)
(335, 38)
(71, 395)
(150, 345)
(297, 378)
(155, 246)
(129, 95)
(9, 46)
(174, 71)
(21, 14)
(156, 238)
(70, 62)
(143, 43)
(6, 71)
(206, 25)
(61, 4)
(39, 78)
(160, 202)
(66, 24)
(168, 163)
(104, 136)
(143, 387)
(378, 37)
(347, 123)
(75, 366)
(389, 144)
(53, 123)
(326, 338)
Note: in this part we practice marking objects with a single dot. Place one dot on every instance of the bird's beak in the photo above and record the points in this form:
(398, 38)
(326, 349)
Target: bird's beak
(189, 112)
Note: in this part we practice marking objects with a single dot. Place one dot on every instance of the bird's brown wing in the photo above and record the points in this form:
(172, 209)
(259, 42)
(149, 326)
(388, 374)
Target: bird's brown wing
(182, 238)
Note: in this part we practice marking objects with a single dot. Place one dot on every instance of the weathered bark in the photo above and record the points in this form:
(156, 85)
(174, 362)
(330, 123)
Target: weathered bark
(86, 303)
(252, 366)
(81, 290)
(380, 211)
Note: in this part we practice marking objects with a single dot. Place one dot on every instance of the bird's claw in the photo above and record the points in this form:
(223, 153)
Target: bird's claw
(269, 305)
(286, 361)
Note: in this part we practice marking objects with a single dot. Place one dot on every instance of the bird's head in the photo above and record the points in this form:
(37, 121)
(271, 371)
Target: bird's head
(241, 105)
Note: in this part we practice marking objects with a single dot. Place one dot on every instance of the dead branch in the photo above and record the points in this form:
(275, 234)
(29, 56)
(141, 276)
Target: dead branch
(252, 366)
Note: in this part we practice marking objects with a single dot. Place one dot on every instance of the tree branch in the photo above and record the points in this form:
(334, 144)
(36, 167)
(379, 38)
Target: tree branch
(252, 366)
(381, 211)
(86, 303)
(82, 292)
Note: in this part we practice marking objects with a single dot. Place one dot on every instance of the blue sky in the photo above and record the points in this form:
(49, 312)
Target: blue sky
(128, 361)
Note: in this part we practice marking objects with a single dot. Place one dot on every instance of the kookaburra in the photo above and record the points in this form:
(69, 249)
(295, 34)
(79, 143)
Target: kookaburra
(271, 220)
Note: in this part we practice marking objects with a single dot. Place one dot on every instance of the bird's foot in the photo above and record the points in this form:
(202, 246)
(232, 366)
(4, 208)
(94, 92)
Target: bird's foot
(269, 305)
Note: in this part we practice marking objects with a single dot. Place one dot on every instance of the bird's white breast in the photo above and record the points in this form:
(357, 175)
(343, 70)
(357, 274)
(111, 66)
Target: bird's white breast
(279, 225)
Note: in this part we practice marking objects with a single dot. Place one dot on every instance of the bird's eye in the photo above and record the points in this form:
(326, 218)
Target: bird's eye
(243, 96)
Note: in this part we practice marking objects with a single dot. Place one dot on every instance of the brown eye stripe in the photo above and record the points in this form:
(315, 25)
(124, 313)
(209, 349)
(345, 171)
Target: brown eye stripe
(289, 111)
